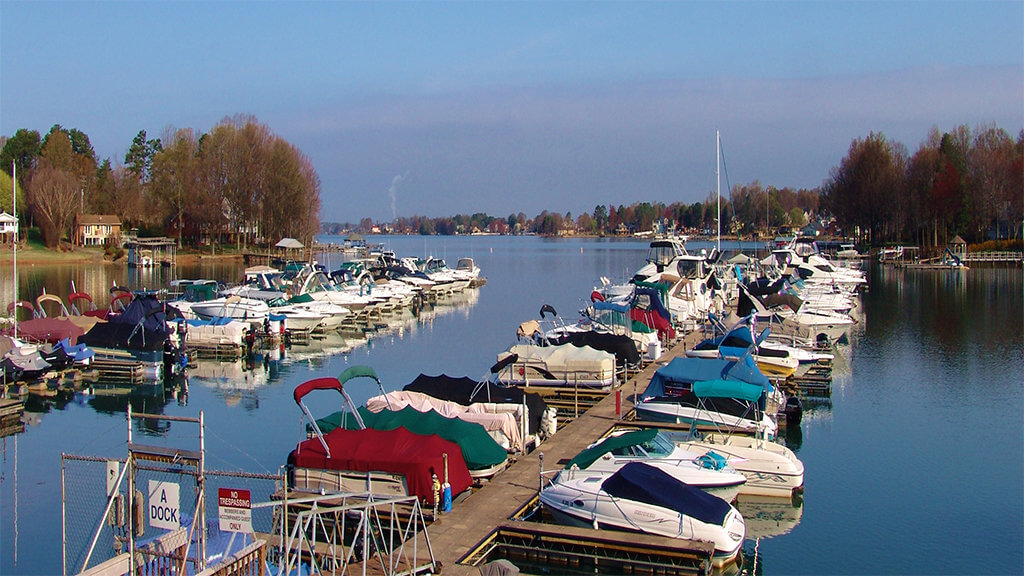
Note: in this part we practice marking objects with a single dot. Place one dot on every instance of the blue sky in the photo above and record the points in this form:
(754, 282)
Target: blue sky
(438, 108)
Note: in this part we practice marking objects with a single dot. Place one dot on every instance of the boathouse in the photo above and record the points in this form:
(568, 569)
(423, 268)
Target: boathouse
(146, 252)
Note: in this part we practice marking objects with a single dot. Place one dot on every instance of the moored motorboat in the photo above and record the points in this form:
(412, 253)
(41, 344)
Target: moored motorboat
(728, 395)
(564, 365)
(740, 340)
(539, 422)
(641, 498)
(650, 446)
(771, 469)
(392, 462)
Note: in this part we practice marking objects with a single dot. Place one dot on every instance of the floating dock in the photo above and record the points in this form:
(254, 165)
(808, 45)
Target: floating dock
(483, 525)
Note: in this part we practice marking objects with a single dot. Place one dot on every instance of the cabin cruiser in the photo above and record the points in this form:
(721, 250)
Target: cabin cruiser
(688, 283)
(712, 393)
(650, 446)
(770, 468)
(331, 315)
(803, 256)
(235, 307)
(642, 498)
(467, 268)
(785, 316)
(446, 279)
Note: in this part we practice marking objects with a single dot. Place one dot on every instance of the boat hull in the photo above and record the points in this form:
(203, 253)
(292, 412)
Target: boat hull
(771, 470)
(677, 413)
(571, 502)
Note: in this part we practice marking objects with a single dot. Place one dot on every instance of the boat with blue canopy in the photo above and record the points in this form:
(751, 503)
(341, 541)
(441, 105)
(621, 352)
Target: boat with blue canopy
(728, 395)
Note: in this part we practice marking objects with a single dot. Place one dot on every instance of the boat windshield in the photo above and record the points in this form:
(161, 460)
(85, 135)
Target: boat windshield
(657, 447)
(663, 252)
(689, 268)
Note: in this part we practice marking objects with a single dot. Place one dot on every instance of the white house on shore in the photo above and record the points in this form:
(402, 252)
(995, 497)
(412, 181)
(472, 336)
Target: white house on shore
(8, 227)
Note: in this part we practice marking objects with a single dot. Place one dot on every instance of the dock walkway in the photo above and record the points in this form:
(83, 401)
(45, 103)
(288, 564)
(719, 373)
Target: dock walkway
(454, 535)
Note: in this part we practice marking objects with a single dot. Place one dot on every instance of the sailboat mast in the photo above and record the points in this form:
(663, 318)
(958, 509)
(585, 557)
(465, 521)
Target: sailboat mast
(718, 177)
(14, 210)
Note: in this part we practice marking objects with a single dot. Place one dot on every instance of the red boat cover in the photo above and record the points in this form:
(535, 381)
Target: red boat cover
(50, 330)
(397, 451)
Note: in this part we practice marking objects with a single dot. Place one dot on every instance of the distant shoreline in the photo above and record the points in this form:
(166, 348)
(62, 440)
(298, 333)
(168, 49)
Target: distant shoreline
(36, 256)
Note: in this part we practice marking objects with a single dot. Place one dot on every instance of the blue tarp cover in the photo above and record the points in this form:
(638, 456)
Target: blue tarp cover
(727, 389)
(684, 371)
(644, 483)
(620, 308)
(215, 321)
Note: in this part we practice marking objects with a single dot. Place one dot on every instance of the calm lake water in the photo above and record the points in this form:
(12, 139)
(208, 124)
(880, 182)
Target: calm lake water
(913, 466)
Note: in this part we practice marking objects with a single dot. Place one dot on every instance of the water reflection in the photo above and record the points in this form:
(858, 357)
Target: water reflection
(238, 381)
(768, 517)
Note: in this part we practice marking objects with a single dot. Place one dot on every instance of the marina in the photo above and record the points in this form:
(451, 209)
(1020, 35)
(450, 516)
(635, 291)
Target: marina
(490, 523)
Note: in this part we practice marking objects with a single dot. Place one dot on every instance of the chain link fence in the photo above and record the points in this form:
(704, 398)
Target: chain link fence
(97, 528)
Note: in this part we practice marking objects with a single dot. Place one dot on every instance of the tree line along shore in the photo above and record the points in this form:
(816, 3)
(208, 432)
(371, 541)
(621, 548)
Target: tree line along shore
(966, 182)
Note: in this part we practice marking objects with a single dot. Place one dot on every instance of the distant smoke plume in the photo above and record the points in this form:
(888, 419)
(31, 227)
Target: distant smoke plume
(391, 193)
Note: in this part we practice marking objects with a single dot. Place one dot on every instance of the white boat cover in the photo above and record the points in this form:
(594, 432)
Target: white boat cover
(208, 333)
(567, 362)
(493, 417)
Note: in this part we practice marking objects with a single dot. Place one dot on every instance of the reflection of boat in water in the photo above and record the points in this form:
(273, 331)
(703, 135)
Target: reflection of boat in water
(320, 345)
(767, 517)
(227, 376)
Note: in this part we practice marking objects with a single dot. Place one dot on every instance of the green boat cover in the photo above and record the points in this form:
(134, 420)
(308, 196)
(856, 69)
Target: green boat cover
(479, 450)
(587, 457)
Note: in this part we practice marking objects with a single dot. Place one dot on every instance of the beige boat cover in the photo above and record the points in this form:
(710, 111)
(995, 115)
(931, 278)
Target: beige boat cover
(493, 417)
(528, 329)
(565, 361)
(206, 334)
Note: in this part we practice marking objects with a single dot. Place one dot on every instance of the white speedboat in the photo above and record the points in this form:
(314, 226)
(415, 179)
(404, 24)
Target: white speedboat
(235, 307)
(770, 468)
(816, 326)
(467, 268)
(711, 474)
(641, 498)
(299, 319)
(332, 314)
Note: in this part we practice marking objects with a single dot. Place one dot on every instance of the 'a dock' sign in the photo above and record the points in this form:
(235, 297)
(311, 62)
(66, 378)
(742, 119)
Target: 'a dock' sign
(163, 510)
(234, 508)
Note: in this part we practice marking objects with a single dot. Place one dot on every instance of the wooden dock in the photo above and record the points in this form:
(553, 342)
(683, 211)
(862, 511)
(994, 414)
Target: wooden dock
(486, 514)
